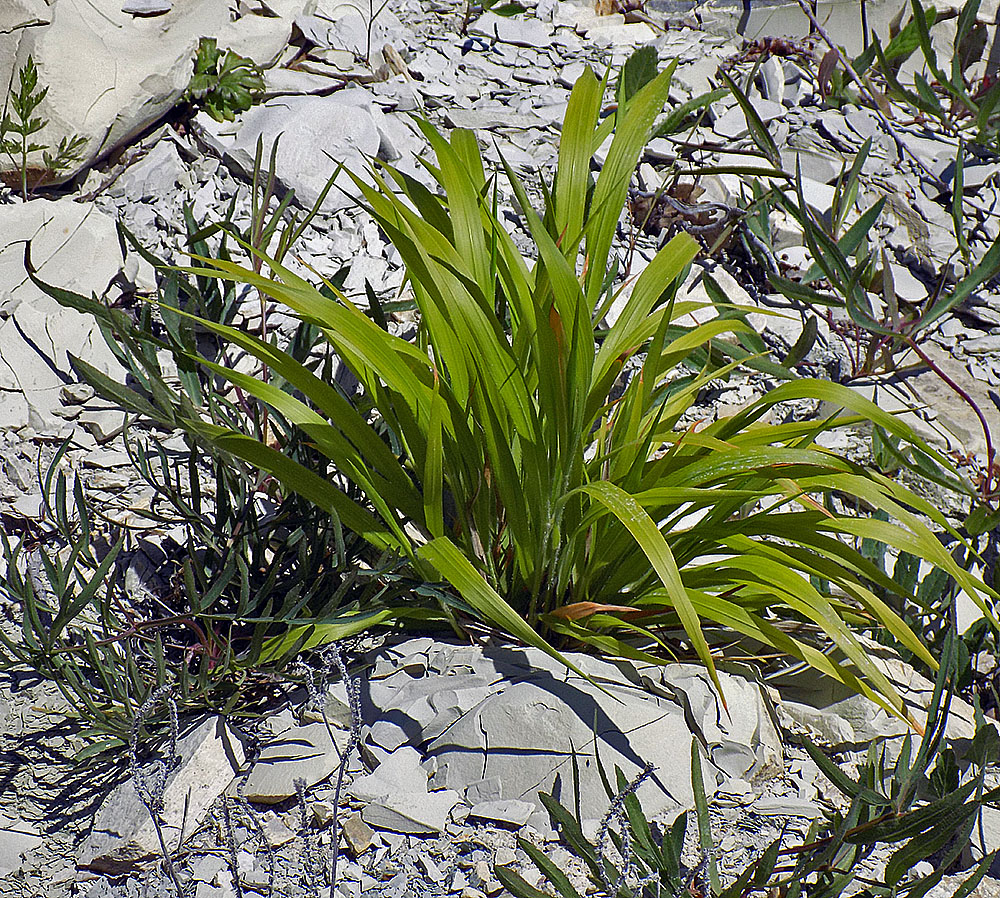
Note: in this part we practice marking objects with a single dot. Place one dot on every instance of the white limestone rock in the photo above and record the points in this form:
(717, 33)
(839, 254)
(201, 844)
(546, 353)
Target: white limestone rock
(147, 7)
(508, 811)
(123, 833)
(305, 752)
(840, 718)
(517, 30)
(137, 66)
(514, 717)
(73, 246)
(155, 175)
(344, 25)
(399, 772)
(412, 812)
(16, 838)
(316, 134)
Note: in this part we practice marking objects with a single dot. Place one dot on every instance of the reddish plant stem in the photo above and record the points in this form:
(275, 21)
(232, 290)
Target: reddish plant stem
(987, 488)
(136, 628)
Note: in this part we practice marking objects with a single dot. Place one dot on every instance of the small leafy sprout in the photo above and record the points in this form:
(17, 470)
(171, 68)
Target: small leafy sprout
(224, 83)
(19, 124)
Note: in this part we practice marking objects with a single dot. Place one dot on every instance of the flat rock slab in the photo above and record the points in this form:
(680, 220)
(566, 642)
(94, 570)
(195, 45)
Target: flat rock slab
(123, 833)
(841, 719)
(139, 60)
(522, 32)
(732, 123)
(399, 772)
(300, 752)
(147, 7)
(508, 721)
(412, 812)
(483, 119)
(15, 839)
(354, 26)
(315, 135)
(397, 799)
(507, 810)
(156, 174)
(75, 247)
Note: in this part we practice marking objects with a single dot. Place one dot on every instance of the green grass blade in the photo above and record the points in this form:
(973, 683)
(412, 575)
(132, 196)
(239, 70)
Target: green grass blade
(575, 153)
(450, 563)
(631, 133)
(624, 507)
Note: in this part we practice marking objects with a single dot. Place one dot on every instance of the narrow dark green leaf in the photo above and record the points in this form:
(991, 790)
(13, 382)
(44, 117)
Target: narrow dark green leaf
(515, 884)
(803, 345)
(758, 130)
(639, 69)
(556, 876)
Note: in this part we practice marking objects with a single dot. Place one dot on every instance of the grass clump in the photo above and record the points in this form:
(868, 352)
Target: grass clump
(530, 455)
(524, 461)
(240, 561)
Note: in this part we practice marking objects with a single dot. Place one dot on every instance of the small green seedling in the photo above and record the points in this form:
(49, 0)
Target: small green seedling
(19, 124)
(224, 83)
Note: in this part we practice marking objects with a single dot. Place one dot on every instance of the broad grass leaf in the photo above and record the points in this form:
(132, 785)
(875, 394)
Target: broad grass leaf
(631, 133)
(448, 560)
(515, 883)
(655, 548)
(575, 153)
(580, 610)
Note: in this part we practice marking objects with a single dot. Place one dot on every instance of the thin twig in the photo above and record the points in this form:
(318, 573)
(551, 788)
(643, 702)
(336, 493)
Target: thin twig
(616, 813)
(151, 786)
(308, 857)
(317, 698)
(869, 91)
(986, 490)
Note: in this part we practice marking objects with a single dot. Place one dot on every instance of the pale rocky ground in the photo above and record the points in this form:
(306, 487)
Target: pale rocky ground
(450, 768)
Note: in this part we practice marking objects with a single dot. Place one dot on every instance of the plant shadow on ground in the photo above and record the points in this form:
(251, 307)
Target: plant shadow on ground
(67, 803)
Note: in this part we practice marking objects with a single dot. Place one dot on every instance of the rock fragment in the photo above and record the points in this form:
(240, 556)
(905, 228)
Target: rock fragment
(73, 246)
(16, 838)
(360, 836)
(147, 7)
(299, 752)
(508, 811)
(123, 833)
(315, 135)
(412, 812)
